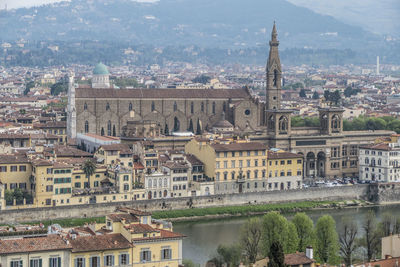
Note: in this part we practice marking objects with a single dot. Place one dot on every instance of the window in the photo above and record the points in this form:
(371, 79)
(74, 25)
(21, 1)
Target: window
(232, 164)
(145, 255)
(109, 128)
(166, 254)
(49, 188)
(240, 163)
(16, 263)
(255, 163)
(299, 161)
(14, 168)
(55, 262)
(248, 163)
(79, 262)
(202, 107)
(126, 177)
(225, 164)
(126, 187)
(225, 176)
(107, 106)
(22, 168)
(289, 162)
(124, 259)
(3, 168)
(130, 107)
(191, 108)
(213, 107)
(282, 162)
(175, 106)
(85, 106)
(108, 260)
(86, 126)
(94, 261)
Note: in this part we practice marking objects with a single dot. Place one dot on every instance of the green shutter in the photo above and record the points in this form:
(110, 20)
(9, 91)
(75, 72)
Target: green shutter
(58, 261)
(40, 262)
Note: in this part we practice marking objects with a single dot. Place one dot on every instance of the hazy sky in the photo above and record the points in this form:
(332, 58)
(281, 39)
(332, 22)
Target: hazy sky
(28, 3)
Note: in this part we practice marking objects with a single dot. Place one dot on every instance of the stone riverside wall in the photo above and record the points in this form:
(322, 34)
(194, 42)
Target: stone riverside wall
(384, 193)
(96, 210)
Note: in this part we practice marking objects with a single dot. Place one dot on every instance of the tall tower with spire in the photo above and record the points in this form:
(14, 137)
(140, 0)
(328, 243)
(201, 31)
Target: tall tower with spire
(71, 110)
(274, 74)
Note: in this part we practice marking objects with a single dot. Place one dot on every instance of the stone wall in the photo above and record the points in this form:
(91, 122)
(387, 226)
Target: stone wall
(384, 193)
(96, 210)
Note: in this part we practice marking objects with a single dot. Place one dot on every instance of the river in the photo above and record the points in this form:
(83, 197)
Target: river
(203, 237)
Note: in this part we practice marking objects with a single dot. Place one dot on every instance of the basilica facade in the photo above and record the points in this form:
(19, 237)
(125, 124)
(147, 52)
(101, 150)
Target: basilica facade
(328, 151)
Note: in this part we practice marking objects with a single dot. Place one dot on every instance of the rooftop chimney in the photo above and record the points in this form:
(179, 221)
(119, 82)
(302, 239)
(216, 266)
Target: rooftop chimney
(309, 252)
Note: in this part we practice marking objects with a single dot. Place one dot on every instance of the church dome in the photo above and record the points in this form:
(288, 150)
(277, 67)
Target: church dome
(100, 69)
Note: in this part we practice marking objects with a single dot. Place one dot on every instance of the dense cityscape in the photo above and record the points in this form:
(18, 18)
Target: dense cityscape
(150, 155)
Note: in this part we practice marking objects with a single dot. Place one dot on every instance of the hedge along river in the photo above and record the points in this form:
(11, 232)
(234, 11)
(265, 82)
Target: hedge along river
(204, 236)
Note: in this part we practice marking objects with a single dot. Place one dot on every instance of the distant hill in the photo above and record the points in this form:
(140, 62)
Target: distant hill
(206, 23)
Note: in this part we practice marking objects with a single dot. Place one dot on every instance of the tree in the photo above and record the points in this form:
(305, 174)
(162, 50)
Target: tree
(59, 87)
(204, 79)
(292, 242)
(89, 168)
(371, 238)
(335, 97)
(228, 254)
(275, 227)
(305, 230)
(302, 93)
(250, 237)
(18, 195)
(387, 224)
(276, 257)
(315, 95)
(126, 82)
(326, 240)
(28, 87)
(9, 197)
(347, 240)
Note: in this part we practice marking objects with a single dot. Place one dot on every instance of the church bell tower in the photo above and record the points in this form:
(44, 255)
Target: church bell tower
(274, 74)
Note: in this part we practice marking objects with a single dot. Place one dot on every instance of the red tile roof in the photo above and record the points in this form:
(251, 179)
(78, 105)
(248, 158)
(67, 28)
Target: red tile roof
(283, 155)
(164, 234)
(33, 244)
(99, 242)
(381, 146)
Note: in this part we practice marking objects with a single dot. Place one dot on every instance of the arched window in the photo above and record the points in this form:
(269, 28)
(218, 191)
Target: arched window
(130, 107)
(149, 183)
(213, 107)
(283, 124)
(224, 107)
(165, 182)
(160, 182)
(191, 108)
(275, 77)
(86, 126)
(114, 132)
(102, 131)
(153, 106)
(271, 122)
(202, 106)
(175, 106)
(109, 128)
(379, 162)
(85, 106)
(366, 160)
(107, 106)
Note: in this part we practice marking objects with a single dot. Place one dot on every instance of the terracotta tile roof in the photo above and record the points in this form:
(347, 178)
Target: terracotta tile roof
(193, 160)
(141, 228)
(118, 217)
(133, 211)
(138, 166)
(239, 146)
(161, 93)
(381, 146)
(100, 137)
(99, 243)
(298, 258)
(283, 155)
(390, 262)
(13, 159)
(33, 244)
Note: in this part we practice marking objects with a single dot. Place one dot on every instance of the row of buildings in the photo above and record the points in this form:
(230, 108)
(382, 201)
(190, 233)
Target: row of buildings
(56, 175)
(127, 238)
